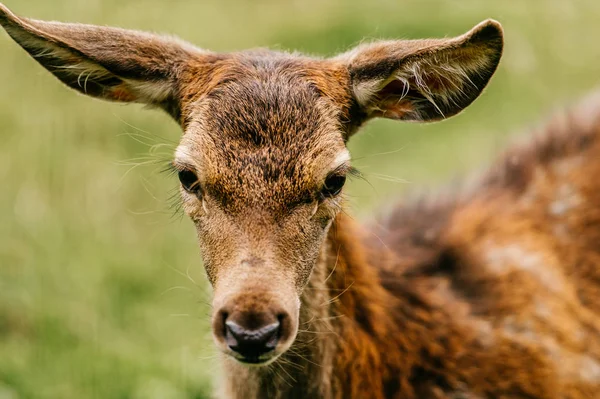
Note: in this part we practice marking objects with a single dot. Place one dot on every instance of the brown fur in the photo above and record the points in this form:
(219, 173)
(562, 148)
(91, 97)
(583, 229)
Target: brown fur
(436, 303)
(492, 292)
(471, 289)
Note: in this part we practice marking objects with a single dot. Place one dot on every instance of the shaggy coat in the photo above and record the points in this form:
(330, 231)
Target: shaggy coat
(489, 292)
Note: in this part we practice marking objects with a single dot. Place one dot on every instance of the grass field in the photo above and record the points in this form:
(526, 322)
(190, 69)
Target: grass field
(102, 290)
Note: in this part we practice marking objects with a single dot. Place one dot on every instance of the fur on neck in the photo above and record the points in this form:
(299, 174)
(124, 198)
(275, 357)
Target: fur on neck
(342, 304)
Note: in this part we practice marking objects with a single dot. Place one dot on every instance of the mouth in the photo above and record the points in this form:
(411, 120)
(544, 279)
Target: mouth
(262, 360)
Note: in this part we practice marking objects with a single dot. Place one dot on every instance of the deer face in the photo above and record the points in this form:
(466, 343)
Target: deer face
(262, 165)
(263, 158)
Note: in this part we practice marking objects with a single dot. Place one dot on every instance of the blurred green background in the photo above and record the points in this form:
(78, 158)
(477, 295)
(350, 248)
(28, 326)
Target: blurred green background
(102, 291)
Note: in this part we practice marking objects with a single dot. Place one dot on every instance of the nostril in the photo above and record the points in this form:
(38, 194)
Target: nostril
(251, 343)
(273, 337)
(224, 316)
(230, 335)
(284, 325)
(281, 319)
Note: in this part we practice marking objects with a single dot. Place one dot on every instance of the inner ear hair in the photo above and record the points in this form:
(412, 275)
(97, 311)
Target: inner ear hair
(424, 80)
(108, 63)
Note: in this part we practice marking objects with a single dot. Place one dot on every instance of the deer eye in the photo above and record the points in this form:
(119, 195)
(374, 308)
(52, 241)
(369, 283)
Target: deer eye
(189, 181)
(333, 185)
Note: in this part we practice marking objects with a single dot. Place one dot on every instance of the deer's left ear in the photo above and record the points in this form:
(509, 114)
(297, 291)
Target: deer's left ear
(424, 80)
(109, 63)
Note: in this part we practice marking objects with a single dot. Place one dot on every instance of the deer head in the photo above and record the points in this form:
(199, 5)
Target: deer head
(263, 158)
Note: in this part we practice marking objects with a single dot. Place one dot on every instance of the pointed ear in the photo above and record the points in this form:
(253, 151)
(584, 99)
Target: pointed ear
(108, 63)
(424, 80)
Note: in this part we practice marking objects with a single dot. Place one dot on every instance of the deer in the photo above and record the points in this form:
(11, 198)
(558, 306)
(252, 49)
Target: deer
(491, 290)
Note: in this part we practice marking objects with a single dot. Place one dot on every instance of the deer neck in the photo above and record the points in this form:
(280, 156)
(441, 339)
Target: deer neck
(343, 293)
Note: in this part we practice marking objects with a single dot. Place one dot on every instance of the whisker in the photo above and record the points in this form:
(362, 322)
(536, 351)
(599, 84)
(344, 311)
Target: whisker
(285, 371)
(390, 179)
(304, 358)
(335, 298)
(174, 288)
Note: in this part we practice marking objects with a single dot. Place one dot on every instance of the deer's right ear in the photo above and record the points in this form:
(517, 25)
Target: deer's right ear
(423, 80)
(108, 63)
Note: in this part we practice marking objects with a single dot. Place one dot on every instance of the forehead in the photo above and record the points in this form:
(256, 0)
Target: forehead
(266, 133)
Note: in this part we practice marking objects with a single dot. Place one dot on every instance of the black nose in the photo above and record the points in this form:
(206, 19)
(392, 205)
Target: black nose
(251, 344)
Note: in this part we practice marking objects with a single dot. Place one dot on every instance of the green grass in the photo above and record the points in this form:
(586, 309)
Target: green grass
(102, 291)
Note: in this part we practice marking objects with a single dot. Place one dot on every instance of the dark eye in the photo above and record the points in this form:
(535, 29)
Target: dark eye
(333, 185)
(189, 181)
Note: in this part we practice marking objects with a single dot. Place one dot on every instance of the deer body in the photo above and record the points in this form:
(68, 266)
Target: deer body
(488, 293)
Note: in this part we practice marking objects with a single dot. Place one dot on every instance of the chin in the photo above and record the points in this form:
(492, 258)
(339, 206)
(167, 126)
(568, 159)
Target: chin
(255, 362)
